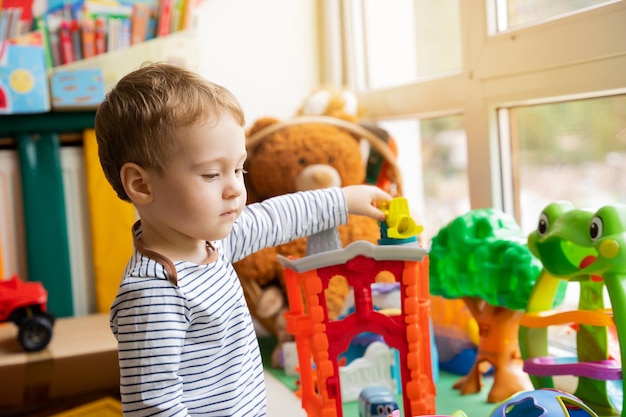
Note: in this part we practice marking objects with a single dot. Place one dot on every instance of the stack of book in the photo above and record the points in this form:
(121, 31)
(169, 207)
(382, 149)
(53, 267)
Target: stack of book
(15, 18)
(86, 28)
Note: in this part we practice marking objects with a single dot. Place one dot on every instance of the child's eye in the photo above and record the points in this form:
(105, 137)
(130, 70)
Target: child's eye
(210, 176)
(240, 171)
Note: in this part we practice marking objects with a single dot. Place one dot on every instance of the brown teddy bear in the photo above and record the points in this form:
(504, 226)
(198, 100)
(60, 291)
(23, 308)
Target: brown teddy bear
(284, 157)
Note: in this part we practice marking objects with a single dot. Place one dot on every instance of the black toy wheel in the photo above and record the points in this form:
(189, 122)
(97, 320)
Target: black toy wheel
(35, 332)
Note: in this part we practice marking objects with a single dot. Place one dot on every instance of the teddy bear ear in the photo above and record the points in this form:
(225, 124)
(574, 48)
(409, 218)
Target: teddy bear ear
(261, 124)
(339, 102)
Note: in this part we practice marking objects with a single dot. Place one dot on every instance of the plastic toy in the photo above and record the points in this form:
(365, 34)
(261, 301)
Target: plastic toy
(398, 227)
(25, 304)
(589, 248)
(482, 258)
(373, 368)
(456, 335)
(321, 341)
(543, 403)
(377, 402)
(386, 299)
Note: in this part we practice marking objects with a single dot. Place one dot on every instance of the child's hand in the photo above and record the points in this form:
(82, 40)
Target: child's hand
(362, 199)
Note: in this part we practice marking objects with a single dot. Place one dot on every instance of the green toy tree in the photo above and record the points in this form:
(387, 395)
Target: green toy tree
(482, 258)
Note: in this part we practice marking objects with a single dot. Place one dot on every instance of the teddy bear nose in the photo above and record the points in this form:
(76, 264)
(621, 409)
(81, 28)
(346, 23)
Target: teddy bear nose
(317, 176)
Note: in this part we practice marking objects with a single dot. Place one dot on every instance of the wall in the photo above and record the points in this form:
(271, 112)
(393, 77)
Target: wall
(266, 52)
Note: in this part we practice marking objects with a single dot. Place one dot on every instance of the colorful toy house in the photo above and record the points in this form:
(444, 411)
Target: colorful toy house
(320, 342)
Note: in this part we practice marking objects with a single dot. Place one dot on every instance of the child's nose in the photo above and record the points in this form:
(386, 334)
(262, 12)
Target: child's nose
(234, 187)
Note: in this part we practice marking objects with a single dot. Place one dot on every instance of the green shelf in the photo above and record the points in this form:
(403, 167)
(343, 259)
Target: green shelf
(51, 122)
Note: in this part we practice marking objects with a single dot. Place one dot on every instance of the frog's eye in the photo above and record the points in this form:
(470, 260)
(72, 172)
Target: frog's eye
(542, 227)
(596, 228)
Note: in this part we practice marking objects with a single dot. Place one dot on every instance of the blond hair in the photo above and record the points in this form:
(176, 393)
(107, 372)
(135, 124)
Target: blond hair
(143, 117)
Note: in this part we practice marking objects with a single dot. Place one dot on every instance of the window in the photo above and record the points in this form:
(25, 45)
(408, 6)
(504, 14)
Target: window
(432, 156)
(507, 68)
(404, 42)
(538, 94)
(516, 13)
(572, 150)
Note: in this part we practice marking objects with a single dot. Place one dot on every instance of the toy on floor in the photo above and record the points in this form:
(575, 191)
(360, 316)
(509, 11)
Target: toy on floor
(377, 401)
(456, 335)
(482, 258)
(25, 304)
(321, 341)
(578, 245)
(543, 403)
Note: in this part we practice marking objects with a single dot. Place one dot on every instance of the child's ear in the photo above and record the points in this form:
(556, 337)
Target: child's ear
(136, 182)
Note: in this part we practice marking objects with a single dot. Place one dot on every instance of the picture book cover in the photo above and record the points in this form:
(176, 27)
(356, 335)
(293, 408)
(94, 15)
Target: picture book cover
(77, 89)
(23, 80)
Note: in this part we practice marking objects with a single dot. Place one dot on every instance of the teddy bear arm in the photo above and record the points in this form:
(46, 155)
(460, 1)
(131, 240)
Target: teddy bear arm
(260, 267)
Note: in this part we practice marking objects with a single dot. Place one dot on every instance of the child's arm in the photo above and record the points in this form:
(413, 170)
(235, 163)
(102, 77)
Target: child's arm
(362, 199)
(281, 219)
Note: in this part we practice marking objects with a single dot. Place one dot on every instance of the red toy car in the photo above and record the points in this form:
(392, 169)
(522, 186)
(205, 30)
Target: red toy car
(25, 304)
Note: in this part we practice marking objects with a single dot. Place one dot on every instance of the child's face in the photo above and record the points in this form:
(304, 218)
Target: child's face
(202, 191)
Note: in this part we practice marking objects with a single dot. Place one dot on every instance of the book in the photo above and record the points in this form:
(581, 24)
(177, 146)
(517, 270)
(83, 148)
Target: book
(113, 32)
(123, 41)
(76, 89)
(88, 36)
(177, 14)
(139, 22)
(53, 22)
(77, 43)
(23, 81)
(11, 26)
(41, 27)
(65, 41)
(100, 35)
(165, 18)
(189, 14)
(25, 13)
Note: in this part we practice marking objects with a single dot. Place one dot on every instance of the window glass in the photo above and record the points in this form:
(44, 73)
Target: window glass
(438, 33)
(406, 40)
(573, 150)
(514, 13)
(389, 30)
(432, 156)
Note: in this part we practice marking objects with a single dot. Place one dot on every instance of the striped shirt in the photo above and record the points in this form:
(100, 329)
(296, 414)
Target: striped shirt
(186, 341)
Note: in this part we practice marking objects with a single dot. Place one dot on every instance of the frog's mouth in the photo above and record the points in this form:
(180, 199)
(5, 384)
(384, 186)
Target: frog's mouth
(587, 261)
(563, 258)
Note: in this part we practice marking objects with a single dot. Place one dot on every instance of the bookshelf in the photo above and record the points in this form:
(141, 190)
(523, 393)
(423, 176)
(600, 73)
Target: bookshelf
(179, 48)
(44, 207)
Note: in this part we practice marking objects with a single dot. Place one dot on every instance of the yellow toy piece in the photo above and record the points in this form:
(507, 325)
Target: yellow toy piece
(400, 224)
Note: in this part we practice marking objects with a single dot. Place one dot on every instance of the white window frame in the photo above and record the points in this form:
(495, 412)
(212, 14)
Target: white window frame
(578, 56)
